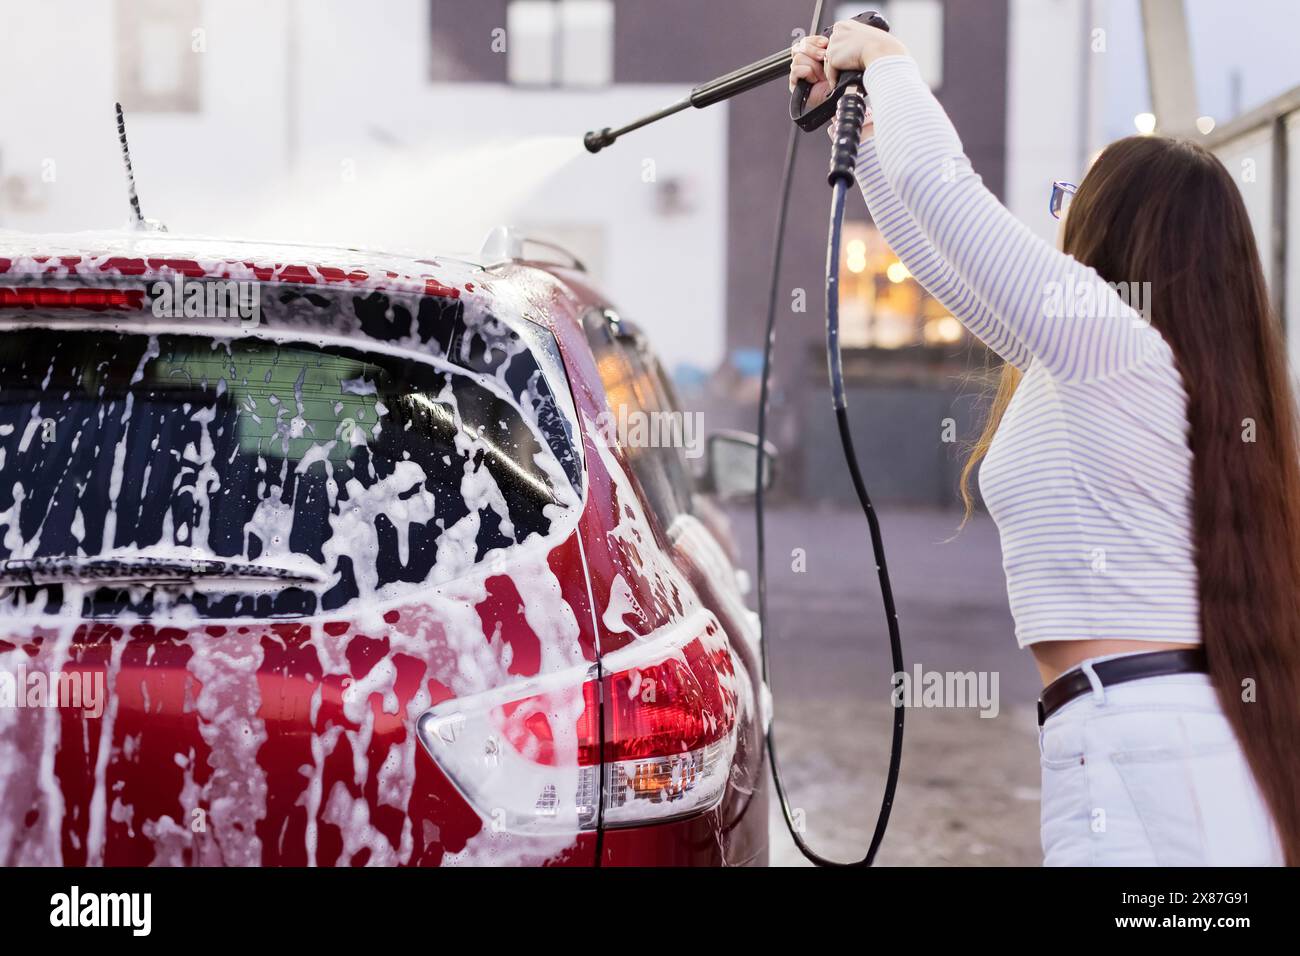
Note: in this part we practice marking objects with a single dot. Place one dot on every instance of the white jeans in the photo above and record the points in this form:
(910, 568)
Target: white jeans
(1148, 773)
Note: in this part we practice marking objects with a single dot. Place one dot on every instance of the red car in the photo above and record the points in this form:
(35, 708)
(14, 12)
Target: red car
(321, 557)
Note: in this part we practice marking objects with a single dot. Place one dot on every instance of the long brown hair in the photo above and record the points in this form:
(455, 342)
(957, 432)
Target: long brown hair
(1167, 212)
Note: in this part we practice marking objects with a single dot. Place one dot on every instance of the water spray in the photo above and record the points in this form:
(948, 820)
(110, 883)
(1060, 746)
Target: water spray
(847, 103)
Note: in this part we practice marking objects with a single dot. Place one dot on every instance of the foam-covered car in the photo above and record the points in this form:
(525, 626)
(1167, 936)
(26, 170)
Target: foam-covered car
(322, 557)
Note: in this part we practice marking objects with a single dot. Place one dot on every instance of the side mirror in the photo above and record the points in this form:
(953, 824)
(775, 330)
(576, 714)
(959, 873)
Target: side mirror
(730, 464)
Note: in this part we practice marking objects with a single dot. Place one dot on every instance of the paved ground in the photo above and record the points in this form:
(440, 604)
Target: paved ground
(968, 792)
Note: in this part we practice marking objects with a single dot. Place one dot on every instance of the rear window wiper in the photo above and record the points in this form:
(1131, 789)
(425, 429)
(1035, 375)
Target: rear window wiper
(144, 570)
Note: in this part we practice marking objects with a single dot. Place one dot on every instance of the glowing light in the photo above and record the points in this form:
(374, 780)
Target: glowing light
(892, 331)
(942, 331)
(1205, 124)
(856, 259)
(897, 272)
(1145, 123)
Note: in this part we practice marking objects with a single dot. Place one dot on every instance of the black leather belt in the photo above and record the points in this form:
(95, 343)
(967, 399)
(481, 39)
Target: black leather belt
(1118, 670)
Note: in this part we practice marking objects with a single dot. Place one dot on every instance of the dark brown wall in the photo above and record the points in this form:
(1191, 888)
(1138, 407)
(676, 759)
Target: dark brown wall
(975, 82)
(460, 41)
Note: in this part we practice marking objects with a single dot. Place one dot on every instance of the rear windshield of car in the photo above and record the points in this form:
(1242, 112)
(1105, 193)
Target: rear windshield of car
(381, 471)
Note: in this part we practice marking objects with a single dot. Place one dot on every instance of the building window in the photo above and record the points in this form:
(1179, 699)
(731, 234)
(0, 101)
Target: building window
(560, 42)
(919, 24)
(157, 55)
(881, 305)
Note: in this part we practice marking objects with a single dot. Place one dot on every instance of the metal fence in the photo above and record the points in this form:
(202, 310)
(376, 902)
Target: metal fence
(1262, 150)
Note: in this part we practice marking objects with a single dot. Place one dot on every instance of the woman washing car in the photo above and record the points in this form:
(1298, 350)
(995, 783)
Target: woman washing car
(1142, 468)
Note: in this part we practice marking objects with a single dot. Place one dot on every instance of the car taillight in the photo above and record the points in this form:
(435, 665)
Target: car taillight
(530, 757)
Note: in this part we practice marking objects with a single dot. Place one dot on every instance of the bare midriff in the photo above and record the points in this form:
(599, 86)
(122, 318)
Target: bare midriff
(1054, 658)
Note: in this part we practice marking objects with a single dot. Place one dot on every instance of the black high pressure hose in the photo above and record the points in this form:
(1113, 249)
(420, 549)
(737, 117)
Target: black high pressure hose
(849, 119)
(849, 100)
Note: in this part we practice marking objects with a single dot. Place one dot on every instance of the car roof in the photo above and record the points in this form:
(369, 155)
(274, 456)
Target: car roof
(152, 254)
(513, 290)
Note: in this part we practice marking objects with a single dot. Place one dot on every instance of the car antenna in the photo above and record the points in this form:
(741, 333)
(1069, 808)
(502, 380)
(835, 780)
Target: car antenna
(138, 222)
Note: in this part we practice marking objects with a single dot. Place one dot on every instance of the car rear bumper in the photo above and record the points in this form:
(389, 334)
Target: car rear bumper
(733, 834)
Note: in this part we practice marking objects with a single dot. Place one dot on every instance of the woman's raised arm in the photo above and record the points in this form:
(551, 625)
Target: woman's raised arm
(1059, 310)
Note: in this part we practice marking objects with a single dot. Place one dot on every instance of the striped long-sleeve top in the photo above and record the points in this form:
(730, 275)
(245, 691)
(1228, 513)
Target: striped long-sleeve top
(1089, 475)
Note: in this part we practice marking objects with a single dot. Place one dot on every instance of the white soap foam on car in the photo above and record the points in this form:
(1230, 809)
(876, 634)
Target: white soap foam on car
(226, 671)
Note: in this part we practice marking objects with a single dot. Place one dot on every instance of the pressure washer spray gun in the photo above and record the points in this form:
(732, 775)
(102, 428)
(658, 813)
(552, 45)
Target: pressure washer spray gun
(774, 67)
(847, 103)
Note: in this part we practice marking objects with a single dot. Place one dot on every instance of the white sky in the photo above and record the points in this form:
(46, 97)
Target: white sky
(1259, 40)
